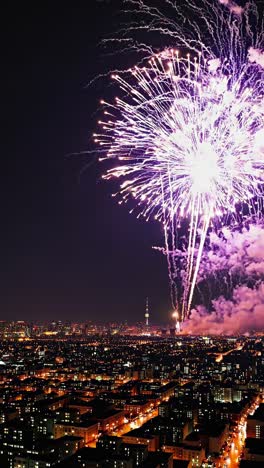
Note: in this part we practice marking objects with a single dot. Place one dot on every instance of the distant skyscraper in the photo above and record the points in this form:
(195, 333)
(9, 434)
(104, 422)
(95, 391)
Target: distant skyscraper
(147, 313)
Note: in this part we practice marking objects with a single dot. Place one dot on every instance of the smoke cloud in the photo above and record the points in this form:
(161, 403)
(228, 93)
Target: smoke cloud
(238, 252)
(244, 313)
(233, 7)
(256, 56)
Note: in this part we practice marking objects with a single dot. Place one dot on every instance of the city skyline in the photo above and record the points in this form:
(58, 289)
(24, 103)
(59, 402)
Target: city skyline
(192, 402)
(67, 246)
(132, 235)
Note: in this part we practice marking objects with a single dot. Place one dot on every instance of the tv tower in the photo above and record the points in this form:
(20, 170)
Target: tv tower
(147, 313)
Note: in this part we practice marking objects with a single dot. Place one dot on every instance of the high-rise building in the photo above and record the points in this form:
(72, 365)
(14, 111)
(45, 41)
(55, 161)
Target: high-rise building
(255, 424)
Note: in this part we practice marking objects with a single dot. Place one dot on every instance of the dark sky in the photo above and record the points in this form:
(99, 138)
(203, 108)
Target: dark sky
(67, 250)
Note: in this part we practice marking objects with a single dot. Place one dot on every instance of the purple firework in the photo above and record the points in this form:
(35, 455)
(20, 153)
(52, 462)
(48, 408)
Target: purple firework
(188, 131)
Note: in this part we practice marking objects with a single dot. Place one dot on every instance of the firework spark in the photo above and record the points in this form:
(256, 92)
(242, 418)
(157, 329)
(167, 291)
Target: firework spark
(186, 132)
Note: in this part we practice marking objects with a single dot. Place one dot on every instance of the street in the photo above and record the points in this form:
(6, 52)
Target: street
(233, 450)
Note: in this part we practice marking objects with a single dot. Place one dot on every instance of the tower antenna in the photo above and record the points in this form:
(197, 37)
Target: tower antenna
(147, 313)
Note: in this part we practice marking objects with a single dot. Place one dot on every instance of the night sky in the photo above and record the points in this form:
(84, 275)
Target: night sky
(68, 250)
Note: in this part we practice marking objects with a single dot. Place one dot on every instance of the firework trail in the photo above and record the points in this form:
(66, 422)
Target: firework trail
(187, 132)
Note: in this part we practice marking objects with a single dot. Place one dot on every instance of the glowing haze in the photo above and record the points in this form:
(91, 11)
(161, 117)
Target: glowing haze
(234, 257)
(186, 130)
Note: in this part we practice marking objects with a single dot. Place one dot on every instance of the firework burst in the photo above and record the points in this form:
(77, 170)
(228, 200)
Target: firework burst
(187, 132)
